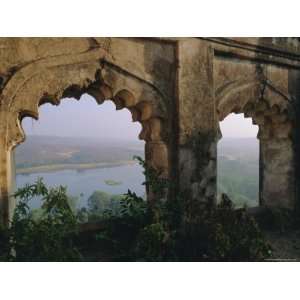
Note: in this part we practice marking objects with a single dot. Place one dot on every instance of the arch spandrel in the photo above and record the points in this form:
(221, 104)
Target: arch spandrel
(154, 60)
(233, 97)
(18, 52)
(267, 105)
(47, 82)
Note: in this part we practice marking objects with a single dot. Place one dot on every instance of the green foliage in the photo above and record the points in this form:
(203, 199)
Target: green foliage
(238, 170)
(151, 242)
(154, 180)
(112, 182)
(83, 215)
(181, 230)
(178, 229)
(120, 235)
(239, 180)
(48, 236)
(99, 203)
(222, 233)
(73, 203)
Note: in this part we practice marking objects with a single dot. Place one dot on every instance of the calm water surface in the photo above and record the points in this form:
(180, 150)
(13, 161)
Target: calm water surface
(82, 183)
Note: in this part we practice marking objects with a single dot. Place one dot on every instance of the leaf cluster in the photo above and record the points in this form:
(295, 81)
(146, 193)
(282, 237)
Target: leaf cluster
(50, 237)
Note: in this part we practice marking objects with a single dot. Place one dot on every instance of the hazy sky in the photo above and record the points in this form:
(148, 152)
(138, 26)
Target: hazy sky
(236, 125)
(86, 118)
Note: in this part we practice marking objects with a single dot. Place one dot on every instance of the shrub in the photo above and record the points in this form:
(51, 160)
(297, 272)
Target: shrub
(222, 233)
(46, 237)
(178, 229)
(182, 229)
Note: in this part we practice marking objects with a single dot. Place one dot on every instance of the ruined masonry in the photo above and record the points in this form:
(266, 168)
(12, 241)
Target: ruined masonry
(179, 89)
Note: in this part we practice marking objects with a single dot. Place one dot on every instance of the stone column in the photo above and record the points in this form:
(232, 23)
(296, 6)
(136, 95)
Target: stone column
(197, 136)
(156, 156)
(7, 184)
(7, 172)
(277, 186)
(294, 91)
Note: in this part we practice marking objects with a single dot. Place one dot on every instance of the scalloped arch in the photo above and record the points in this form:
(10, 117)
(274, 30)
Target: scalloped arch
(267, 105)
(52, 83)
(233, 96)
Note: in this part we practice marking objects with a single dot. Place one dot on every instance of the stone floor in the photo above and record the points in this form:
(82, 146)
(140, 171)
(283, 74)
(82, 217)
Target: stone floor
(286, 245)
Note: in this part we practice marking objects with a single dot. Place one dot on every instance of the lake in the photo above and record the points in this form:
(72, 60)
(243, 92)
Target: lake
(82, 183)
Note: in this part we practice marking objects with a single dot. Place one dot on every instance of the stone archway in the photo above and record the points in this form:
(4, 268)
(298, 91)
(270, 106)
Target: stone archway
(270, 110)
(177, 88)
(49, 80)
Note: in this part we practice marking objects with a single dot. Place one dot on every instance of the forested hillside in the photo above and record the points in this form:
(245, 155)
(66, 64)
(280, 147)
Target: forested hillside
(238, 170)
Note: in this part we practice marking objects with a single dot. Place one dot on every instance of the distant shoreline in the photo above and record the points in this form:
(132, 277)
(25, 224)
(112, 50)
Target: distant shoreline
(63, 167)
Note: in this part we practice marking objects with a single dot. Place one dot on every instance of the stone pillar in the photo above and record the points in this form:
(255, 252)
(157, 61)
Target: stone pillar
(7, 173)
(277, 186)
(197, 136)
(294, 91)
(156, 157)
(7, 184)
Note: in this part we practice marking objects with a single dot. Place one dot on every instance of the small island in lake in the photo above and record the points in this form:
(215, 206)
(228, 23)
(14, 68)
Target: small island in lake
(112, 182)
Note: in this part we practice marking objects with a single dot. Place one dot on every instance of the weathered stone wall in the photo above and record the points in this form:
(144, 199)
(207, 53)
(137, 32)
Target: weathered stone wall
(136, 74)
(197, 123)
(178, 89)
(260, 91)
